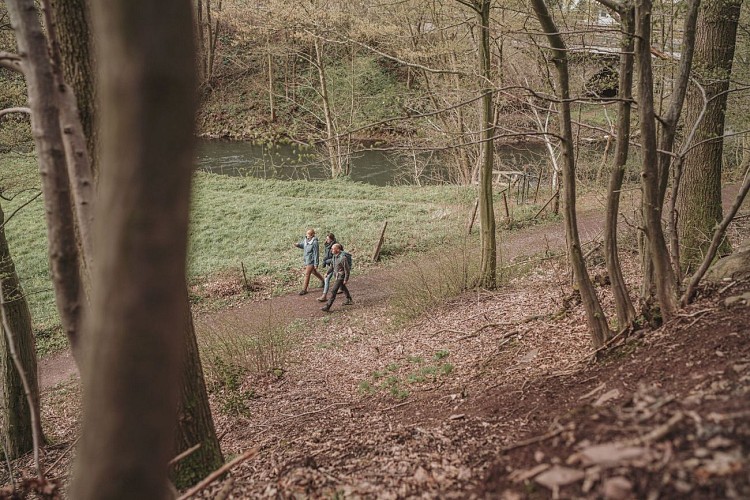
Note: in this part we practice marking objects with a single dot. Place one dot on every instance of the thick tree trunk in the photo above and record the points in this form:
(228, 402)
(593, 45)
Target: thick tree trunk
(15, 417)
(71, 18)
(45, 126)
(666, 284)
(196, 425)
(134, 352)
(623, 303)
(488, 266)
(597, 322)
(699, 198)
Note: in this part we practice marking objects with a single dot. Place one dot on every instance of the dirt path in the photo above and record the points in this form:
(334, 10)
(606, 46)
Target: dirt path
(368, 290)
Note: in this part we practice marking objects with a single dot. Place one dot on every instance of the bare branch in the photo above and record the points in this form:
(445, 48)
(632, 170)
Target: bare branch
(8, 111)
(11, 61)
(7, 219)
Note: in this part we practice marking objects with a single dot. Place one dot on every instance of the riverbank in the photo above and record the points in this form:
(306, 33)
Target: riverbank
(246, 222)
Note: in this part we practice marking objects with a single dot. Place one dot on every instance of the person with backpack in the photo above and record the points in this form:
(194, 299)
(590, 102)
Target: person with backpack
(328, 245)
(340, 268)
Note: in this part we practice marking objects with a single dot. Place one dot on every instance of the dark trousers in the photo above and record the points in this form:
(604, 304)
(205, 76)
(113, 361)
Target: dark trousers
(339, 284)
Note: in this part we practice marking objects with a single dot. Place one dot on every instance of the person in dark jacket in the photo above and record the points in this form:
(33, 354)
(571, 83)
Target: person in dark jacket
(340, 266)
(327, 257)
(311, 255)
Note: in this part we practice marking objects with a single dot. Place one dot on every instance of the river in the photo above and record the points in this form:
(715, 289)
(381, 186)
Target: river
(285, 161)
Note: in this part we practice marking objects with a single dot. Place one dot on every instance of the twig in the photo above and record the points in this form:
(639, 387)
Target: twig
(72, 445)
(659, 432)
(33, 409)
(475, 333)
(315, 411)
(10, 468)
(534, 440)
(397, 406)
(225, 490)
(184, 454)
(218, 472)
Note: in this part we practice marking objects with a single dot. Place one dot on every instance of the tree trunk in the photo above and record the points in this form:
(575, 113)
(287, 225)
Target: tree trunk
(45, 126)
(666, 284)
(15, 417)
(196, 425)
(488, 266)
(699, 199)
(623, 303)
(134, 352)
(71, 18)
(597, 322)
(331, 139)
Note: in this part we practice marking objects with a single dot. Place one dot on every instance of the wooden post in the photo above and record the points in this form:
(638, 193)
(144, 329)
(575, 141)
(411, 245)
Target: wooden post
(244, 276)
(472, 217)
(376, 254)
(505, 202)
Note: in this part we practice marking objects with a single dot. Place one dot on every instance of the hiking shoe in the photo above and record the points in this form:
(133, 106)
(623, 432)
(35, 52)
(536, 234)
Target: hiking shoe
(325, 308)
(303, 292)
(322, 298)
(349, 302)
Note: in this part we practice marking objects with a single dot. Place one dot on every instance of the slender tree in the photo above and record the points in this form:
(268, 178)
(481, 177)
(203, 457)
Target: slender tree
(699, 208)
(488, 264)
(666, 283)
(133, 354)
(623, 303)
(597, 322)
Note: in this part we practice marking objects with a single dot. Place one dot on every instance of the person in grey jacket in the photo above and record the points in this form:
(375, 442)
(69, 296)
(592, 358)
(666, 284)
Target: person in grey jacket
(311, 255)
(327, 258)
(340, 266)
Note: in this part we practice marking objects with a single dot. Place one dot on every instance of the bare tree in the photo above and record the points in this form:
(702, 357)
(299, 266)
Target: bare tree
(132, 364)
(597, 322)
(623, 303)
(488, 263)
(666, 283)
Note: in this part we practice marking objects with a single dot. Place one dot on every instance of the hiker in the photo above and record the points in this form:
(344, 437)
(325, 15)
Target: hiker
(340, 266)
(311, 252)
(328, 245)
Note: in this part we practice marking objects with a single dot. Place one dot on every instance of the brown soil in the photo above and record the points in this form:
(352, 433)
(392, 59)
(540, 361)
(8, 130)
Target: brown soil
(492, 395)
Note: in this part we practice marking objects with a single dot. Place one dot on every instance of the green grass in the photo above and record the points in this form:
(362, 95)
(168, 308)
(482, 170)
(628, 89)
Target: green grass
(243, 219)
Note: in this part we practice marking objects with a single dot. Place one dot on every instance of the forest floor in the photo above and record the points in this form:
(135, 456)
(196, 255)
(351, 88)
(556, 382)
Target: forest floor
(490, 395)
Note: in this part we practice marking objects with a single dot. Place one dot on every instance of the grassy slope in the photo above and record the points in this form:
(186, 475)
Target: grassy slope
(256, 222)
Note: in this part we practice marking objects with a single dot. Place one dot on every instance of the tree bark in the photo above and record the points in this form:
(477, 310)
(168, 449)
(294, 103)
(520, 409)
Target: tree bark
(16, 423)
(666, 284)
(134, 352)
(699, 198)
(72, 25)
(45, 126)
(597, 322)
(196, 425)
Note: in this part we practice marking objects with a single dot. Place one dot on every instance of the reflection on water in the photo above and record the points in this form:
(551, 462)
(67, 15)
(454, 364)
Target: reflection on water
(286, 161)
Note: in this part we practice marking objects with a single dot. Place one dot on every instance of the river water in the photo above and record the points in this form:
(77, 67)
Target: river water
(285, 161)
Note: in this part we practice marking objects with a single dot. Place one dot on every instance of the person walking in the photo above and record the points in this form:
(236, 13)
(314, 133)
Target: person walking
(340, 266)
(327, 257)
(311, 256)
